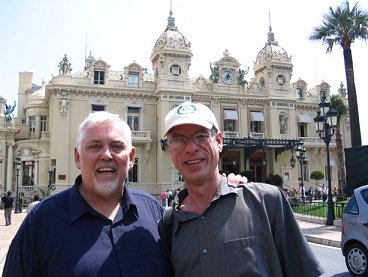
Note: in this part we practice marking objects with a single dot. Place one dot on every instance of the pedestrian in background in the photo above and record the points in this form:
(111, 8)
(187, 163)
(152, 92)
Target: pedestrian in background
(36, 201)
(219, 230)
(8, 205)
(164, 198)
(169, 197)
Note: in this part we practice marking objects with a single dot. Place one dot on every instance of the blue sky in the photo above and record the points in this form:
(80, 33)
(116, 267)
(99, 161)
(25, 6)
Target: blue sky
(35, 35)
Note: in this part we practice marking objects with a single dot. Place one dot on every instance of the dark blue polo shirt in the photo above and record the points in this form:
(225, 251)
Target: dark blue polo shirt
(64, 236)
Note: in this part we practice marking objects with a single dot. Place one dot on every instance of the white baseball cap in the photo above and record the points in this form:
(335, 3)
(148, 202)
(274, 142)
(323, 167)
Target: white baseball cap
(190, 113)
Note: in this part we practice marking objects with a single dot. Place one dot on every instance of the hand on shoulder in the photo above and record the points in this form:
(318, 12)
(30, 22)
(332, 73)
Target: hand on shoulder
(235, 180)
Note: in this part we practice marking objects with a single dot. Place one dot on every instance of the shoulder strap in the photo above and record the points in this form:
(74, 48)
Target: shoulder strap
(168, 223)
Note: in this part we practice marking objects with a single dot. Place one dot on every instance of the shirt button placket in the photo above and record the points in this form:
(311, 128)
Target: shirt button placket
(202, 232)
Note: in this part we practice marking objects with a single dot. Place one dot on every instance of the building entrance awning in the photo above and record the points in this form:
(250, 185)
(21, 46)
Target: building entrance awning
(253, 144)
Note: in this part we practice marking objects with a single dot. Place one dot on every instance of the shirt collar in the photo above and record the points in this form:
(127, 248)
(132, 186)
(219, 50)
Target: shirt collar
(222, 189)
(128, 202)
(78, 206)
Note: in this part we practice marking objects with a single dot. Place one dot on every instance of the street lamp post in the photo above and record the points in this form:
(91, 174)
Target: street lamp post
(292, 161)
(326, 121)
(50, 170)
(300, 155)
(17, 203)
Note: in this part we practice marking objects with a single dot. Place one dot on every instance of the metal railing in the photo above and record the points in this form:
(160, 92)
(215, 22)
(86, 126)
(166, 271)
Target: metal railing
(315, 208)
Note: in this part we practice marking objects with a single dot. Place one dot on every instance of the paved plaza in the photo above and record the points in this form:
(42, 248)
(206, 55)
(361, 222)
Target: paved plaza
(7, 233)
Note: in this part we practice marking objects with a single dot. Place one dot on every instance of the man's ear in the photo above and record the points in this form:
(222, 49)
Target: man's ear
(219, 141)
(76, 157)
(131, 157)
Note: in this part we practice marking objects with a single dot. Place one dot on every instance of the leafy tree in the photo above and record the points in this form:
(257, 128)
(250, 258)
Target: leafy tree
(277, 180)
(317, 175)
(343, 26)
(337, 102)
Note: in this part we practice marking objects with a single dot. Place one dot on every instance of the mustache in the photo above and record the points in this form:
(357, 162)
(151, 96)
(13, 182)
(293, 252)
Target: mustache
(106, 165)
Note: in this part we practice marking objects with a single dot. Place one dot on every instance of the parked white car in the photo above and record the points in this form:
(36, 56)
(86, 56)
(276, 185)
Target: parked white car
(354, 232)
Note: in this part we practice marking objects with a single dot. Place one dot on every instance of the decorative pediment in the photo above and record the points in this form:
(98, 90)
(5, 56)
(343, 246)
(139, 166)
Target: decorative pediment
(28, 151)
(201, 84)
(134, 67)
(228, 61)
(100, 64)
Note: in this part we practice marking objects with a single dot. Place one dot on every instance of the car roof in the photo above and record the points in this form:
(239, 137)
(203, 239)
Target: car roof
(361, 194)
(358, 190)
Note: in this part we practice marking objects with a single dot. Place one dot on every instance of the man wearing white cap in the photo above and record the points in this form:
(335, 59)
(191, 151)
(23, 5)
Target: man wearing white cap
(218, 230)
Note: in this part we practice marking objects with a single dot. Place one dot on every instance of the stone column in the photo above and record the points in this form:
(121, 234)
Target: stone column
(10, 166)
(38, 127)
(2, 176)
(36, 164)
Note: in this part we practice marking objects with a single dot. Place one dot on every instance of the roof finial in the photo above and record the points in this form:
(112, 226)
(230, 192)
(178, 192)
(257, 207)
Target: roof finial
(270, 35)
(171, 20)
(85, 47)
(269, 21)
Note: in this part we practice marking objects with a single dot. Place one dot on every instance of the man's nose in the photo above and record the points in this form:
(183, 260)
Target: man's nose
(191, 145)
(106, 153)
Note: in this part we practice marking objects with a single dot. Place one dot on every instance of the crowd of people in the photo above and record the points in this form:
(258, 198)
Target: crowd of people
(101, 227)
(167, 196)
(319, 192)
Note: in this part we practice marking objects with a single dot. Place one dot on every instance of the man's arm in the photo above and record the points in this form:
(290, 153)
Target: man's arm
(21, 260)
(284, 222)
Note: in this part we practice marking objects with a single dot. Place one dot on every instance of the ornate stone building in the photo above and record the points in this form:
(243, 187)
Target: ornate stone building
(262, 118)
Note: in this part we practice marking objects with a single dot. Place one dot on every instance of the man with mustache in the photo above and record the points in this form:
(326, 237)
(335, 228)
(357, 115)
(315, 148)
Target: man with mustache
(218, 230)
(98, 227)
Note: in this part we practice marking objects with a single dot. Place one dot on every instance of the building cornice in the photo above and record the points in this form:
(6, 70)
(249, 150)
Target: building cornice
(104, 93)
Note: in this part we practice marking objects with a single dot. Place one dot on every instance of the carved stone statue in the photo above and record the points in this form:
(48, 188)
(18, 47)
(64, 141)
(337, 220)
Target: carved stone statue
(241, 75)
(283, 117)
(65, 66)
(215, 74)
(9, 109)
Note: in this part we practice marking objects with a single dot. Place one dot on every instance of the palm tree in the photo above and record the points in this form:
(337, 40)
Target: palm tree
(343, 26)
(337, 102)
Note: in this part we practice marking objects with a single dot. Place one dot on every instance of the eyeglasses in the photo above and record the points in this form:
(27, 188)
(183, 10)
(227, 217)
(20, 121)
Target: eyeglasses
(199, 138)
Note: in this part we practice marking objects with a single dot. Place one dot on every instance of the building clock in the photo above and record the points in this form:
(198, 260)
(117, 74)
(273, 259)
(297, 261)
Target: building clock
(227, 77)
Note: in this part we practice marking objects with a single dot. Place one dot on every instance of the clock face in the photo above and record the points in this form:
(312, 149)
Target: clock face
(227, 77)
